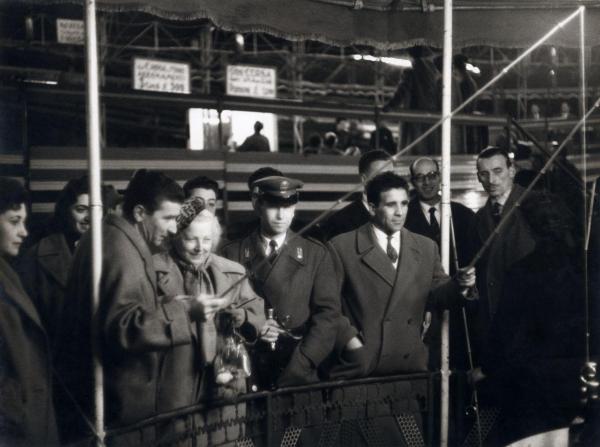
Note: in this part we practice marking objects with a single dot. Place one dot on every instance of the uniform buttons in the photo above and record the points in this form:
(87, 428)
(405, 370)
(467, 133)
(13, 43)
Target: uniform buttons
(409, 321)
(405, 356)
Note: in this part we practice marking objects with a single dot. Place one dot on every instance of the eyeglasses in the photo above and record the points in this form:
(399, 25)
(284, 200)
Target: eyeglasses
(431, 176)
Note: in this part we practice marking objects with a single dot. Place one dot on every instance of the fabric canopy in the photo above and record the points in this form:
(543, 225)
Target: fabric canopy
(384, 24)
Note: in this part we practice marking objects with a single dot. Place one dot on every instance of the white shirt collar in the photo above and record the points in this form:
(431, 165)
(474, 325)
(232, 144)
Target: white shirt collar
(280, 239)
(426, 206)
(382, 240)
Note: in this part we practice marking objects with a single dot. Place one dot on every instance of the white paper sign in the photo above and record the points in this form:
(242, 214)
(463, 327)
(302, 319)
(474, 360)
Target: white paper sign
(161, 76)
(69, 31)
(248, 80)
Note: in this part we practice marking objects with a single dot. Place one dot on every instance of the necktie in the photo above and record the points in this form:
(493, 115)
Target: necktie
(435, 226)
(496, 211)
(391, 251)
(273, 251)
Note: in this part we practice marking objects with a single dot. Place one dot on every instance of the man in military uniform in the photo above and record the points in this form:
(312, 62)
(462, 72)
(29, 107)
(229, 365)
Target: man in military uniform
(295, 276)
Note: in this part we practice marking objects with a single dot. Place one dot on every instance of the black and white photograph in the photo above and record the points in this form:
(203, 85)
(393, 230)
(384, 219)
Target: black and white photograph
(299, 223)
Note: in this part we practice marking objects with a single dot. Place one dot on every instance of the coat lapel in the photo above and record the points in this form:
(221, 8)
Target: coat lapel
(372, 255)
(54, 256)
(408, 267)
(12, 289)
(138, 242)
(168, 276)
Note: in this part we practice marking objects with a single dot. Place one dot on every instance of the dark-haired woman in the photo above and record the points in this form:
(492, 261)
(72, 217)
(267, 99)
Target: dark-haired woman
(26, 412)
(46, 265)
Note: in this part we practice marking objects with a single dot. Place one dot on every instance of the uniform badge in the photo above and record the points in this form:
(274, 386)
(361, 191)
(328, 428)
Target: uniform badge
(246, 253)
(299, 253)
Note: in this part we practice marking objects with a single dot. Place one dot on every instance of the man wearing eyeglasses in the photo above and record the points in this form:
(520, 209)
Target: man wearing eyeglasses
(424, 210)
(424, 217)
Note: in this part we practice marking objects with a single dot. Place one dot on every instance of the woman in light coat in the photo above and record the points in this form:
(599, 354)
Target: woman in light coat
(190, 270)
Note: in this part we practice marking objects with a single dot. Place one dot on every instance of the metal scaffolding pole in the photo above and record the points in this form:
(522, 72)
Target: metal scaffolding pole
(93, 138)
(445, 216)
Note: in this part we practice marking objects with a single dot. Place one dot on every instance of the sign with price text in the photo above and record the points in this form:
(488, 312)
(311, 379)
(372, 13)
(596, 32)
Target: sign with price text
(161, 76)
(252, 81)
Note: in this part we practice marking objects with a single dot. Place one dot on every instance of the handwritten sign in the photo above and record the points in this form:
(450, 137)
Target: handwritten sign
(248, 80)
(161, 76)
(70, 32)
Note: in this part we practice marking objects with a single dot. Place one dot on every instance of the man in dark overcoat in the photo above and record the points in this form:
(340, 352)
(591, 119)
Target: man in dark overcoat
(294, 275)
(496, 172)
(424, 217)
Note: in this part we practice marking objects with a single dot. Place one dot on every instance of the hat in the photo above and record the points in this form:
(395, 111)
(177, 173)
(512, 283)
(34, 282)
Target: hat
(278, 188)
(189, 210)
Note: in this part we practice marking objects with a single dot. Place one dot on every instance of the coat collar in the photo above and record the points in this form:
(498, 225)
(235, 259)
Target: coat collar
(373, 256)
(12, 289)
(48, 249)
(137, 241)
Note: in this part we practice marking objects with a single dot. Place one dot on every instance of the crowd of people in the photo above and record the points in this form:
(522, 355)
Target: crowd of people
(186, 315)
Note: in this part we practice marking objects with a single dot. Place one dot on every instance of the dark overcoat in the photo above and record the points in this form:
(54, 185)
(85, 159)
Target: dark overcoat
(138, 328)
(27, 415)
(536, 344)
(387, 305)
(511, 244)
(463, 219)
(45, 271)
(299, 284)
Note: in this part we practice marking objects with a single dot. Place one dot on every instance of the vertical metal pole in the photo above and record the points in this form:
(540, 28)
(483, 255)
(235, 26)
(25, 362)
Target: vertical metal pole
(445, 227)
(583, 112)
(93, 138)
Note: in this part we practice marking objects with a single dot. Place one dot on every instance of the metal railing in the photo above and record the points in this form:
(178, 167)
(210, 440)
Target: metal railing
(379, 411)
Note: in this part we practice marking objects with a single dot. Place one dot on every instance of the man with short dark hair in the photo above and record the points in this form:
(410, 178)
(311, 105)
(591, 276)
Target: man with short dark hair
(294, 276)
(388, 277)
(496, 173)
(137, 328)
(357, 212)
(205, 188)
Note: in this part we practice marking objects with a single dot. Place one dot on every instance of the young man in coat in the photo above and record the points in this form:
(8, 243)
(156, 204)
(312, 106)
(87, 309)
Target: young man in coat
(27, 417)
(388, 277)
(294, 276)
(137, 328)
